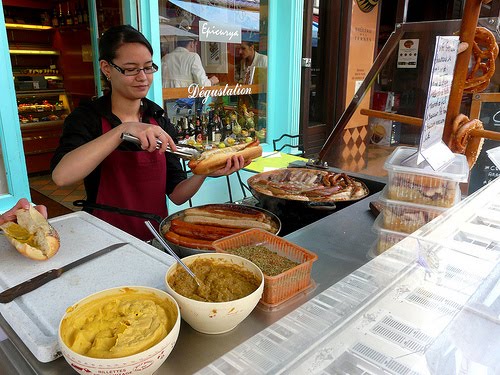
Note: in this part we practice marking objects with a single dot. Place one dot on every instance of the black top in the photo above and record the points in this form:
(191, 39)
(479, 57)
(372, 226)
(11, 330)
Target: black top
(84, 125)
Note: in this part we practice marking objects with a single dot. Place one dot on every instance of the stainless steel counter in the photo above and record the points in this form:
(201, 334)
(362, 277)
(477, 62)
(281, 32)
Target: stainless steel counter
(341, 241)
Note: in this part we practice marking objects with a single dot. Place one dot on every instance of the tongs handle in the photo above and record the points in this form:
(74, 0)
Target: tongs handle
(184, 153)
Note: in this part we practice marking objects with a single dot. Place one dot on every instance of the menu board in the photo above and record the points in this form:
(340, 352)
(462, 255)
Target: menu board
(485, 107)
(431, 147)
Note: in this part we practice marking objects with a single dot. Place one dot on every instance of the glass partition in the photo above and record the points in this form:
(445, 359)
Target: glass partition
(214, 70)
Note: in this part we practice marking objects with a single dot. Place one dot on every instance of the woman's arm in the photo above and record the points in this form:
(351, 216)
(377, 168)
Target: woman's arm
(79, 163)
(189, 187)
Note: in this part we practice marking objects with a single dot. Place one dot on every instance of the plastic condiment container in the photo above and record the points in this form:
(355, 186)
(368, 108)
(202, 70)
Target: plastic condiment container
(282, 287)
(386, 238)
(421, 184)
(406, 217)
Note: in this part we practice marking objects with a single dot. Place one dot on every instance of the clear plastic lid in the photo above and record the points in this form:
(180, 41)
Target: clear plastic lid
(494, 155)
(404, 160)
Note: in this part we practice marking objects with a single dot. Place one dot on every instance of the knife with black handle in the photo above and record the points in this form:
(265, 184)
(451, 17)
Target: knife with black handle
(29, 285)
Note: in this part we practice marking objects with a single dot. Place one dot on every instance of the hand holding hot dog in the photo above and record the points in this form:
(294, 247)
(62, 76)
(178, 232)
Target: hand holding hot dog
(219, 162)
(233, 164)
(27, 229)
(22, 203)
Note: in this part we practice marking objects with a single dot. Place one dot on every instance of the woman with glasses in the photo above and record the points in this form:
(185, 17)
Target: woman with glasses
(115, 172)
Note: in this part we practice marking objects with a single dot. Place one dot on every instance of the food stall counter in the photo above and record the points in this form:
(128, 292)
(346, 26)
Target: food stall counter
(336, 239)
(428, 305)
(425, 306)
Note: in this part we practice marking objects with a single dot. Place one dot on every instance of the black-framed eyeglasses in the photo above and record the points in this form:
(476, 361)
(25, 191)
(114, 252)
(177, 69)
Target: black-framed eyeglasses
(135, 71)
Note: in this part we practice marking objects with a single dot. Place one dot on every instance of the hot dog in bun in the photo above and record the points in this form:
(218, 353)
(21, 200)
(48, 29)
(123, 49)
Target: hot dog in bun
(215, 159)
(32, 235)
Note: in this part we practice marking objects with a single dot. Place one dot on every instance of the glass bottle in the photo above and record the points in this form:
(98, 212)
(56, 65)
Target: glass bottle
(75, 15)
(62, 20)
(197, 129)
(55, 19)
(218, 130)
(191, 126)
(210, 127)
(69, 16)
(46, 20)
(85, 15)
(228, 128)
(185, 128)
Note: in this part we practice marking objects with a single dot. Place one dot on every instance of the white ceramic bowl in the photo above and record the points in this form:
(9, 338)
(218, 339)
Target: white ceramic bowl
(144, 363)
(216, 317)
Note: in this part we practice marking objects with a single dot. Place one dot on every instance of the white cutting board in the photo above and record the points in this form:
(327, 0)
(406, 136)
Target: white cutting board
(35, 316)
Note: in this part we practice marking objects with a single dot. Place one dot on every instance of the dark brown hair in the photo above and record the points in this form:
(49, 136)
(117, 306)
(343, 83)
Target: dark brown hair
(116, 36)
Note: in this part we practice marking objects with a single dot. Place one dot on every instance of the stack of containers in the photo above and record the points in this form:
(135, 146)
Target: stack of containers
(414, 195)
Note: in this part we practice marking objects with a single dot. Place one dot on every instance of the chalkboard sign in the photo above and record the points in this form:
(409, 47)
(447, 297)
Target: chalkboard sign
(485, 107)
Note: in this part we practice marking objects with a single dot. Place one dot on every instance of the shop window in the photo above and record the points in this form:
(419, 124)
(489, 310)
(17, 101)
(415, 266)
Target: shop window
(214, 70)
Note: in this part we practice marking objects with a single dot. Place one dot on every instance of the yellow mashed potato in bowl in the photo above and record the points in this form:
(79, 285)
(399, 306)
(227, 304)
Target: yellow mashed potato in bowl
(119, 324)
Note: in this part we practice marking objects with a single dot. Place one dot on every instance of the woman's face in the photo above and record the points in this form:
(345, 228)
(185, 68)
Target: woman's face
(128, 57)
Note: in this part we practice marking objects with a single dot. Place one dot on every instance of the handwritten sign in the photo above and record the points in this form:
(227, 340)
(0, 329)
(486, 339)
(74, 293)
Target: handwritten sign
(212, 32)
(431, 147)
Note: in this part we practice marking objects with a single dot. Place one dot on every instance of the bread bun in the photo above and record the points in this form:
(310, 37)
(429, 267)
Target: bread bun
(212, 160)
(32, 235)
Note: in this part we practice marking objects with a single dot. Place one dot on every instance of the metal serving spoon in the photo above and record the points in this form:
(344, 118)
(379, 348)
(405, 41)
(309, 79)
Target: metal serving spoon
(171, 252)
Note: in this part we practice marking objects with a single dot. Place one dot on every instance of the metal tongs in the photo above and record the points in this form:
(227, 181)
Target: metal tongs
(171, 252)
(185, 152)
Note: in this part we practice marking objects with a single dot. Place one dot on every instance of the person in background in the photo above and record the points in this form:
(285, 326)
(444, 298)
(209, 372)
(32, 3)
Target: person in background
(250, 58)
(118, 173)
(183, 66)
(10, 215)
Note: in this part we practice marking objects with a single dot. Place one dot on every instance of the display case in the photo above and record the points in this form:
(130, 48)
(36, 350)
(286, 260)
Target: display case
(42, 102)
(41, 115)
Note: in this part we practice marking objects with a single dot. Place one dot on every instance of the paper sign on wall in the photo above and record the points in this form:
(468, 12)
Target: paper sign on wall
(431, 147)
(408, 53)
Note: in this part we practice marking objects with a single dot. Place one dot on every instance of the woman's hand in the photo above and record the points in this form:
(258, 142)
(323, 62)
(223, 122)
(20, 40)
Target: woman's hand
(10, 215)
(233, 164)
(187, 188)
(148, 135)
